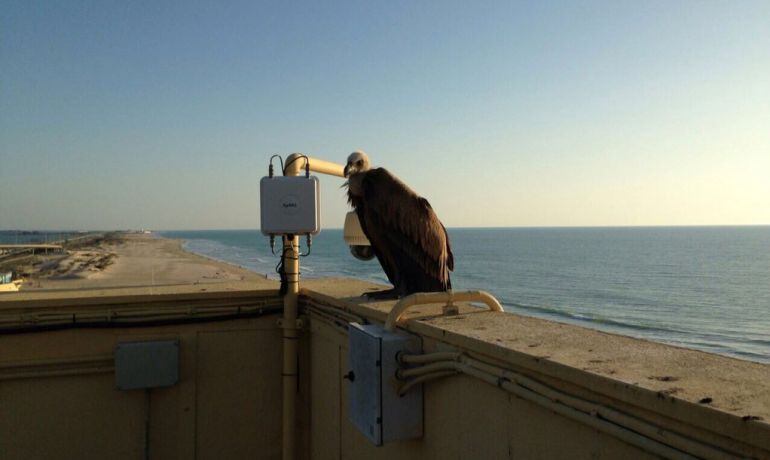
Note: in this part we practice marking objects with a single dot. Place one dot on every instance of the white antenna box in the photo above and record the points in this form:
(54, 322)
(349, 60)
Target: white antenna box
(289, 205)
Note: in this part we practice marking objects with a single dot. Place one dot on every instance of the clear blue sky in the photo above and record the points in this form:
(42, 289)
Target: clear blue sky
(163, 114)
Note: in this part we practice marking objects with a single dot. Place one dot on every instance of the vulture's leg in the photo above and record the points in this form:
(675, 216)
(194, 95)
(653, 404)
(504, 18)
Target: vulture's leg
(388, 294)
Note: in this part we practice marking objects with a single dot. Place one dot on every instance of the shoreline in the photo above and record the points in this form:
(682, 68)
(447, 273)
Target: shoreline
(210, 258)
(156, 260)
(162, 265)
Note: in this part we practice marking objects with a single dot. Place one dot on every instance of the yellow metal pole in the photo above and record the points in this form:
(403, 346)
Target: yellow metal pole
(295, 164)
(290, 337)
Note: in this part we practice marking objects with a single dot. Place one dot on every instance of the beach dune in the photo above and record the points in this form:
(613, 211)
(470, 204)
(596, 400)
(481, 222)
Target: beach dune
(148, 260)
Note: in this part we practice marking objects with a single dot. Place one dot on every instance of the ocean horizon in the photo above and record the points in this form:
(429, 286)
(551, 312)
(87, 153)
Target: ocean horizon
(700, 287)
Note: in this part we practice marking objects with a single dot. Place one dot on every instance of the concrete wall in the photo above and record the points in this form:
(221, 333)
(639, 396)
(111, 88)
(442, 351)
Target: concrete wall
(227, 404)
(648, 383)
(58, 397)
(464, 418)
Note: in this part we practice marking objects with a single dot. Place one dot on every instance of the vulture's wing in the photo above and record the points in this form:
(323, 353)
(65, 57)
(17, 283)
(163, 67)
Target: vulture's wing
(398, 218)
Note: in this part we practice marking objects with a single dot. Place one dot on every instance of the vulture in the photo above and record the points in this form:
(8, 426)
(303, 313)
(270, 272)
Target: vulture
(407, 237)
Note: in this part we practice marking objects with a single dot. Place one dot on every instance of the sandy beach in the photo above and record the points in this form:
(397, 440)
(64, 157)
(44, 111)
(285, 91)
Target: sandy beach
(135, 260)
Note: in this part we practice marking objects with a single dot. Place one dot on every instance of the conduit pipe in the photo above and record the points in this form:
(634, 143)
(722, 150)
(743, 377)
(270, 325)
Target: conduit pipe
(448, 297)
(424, 378)
(153, 316)
(295, 165)
(348, 317)
(627, 428)
(404, 374)
(405, 358)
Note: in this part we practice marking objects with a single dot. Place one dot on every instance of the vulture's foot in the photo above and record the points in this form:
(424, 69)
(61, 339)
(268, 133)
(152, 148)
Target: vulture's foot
(388, 294)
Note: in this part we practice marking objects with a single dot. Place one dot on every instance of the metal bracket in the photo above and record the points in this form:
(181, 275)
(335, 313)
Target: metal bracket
(450, 309)
(301, 323)
(439, 297)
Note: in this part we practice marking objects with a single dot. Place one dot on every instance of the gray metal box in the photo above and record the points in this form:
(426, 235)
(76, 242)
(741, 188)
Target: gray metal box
(289, 205)
(374, 406)
(149, 364)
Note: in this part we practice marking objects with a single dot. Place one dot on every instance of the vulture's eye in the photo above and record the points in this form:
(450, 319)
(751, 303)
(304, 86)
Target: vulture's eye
(360, 162)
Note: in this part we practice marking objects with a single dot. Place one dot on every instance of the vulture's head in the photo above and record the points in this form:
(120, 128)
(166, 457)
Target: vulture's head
(358, 162)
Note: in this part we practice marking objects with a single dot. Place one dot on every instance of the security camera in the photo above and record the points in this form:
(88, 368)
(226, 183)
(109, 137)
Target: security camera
(362, 252)
(356, 239)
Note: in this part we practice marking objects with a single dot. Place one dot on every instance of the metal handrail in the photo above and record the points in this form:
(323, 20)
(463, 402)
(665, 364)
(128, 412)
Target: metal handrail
(448, 297)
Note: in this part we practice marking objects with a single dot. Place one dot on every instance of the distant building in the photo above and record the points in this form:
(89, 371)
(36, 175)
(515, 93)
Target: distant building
(7, 284)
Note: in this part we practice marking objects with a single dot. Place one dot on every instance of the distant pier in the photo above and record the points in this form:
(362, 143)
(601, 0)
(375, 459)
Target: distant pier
(13, 247)
(12, 251)
(8, 250)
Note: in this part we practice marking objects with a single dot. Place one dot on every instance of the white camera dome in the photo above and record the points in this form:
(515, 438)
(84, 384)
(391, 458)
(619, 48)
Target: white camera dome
(355, 238)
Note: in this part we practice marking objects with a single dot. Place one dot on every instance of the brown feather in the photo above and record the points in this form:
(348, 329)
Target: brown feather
(407, 236)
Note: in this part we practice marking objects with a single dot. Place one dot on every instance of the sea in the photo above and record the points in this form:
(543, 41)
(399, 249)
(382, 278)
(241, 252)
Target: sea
(706, 288)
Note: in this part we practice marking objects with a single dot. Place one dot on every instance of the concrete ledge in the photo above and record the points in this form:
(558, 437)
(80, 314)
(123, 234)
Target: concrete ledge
(714, 399)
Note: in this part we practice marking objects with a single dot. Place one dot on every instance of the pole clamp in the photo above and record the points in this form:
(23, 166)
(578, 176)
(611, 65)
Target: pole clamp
(300, 323)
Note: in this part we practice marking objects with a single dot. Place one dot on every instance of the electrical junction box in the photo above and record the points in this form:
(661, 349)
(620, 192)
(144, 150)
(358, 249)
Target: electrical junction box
(374, 406)
(147, 364)
(289, 205)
